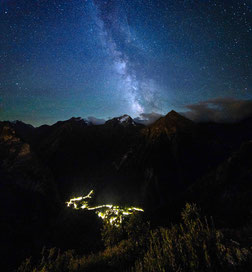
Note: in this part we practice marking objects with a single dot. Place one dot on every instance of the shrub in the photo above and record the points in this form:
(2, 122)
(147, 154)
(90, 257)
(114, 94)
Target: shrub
(191, 246)
(112, 232)
(124, 244)
(132, 228)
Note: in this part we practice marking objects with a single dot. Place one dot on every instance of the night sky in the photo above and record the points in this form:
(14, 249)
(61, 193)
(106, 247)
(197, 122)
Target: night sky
(105, 58)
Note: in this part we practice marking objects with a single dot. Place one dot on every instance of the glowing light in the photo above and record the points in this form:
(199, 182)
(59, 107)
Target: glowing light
(112, 213)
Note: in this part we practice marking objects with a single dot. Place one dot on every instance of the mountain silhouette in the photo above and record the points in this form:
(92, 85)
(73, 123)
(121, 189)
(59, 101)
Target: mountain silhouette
(159, 167)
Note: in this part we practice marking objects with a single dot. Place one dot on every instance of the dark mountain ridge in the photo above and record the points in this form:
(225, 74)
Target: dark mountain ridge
(159, 167)
(172, 148)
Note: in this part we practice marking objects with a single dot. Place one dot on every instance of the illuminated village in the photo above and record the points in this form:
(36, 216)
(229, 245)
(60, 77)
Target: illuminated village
(113, 213)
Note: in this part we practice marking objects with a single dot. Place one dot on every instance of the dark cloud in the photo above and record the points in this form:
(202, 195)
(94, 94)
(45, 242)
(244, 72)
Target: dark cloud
(96, 121)
(220, 110)
(148, 118)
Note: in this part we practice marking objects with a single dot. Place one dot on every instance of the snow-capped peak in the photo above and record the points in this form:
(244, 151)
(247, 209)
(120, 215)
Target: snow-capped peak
(126, 119)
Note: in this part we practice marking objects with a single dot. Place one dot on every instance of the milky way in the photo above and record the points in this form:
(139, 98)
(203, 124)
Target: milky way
(94, 58)
(117, 41)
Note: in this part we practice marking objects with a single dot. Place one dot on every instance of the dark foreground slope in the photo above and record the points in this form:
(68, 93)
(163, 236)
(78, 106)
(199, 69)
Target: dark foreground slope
(226, 192)
(28, 197)
(159, 167)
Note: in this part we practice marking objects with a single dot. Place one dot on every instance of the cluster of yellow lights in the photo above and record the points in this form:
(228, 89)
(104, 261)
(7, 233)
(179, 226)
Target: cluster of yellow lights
(109, 212)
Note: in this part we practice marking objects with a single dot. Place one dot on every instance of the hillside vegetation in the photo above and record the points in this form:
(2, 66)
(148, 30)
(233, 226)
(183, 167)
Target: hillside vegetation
(192, 245)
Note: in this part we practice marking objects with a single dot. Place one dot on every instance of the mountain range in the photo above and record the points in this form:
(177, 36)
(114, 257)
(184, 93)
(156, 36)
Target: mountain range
(158, 167)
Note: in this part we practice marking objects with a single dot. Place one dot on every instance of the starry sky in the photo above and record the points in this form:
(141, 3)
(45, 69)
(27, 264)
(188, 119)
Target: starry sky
(105, 58)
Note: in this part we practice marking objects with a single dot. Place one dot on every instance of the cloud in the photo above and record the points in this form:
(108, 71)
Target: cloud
(96, 121)
(219, 110)
(148, 118)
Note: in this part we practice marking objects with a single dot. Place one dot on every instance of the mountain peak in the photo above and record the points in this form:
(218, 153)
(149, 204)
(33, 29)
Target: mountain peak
(177, 118)
(20, 123)
(124, 120)
(78, 119)
(174, 114)
(73, 122)
(170, 124)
